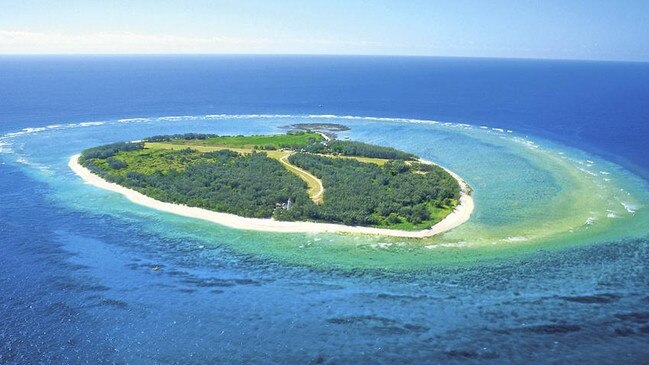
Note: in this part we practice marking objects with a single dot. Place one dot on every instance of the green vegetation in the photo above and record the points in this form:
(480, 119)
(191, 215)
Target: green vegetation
(397, 194)
(291, 140)
(306, 141)
(110, 150)
(351, 148)
(315, 188)
(225, 181)
(297, 176)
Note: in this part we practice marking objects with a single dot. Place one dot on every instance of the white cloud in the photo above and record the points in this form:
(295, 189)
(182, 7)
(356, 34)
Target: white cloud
(12, 41)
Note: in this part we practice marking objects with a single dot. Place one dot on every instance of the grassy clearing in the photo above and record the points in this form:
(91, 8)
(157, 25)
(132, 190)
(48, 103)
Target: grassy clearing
(272, 141)
(148, 161)
(197, 147)
(376, 161)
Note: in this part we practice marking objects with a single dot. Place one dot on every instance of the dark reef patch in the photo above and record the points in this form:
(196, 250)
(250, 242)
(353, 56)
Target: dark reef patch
(208, 283)
(593, 299)
(401, 297)
(637, 317)
(381, 324)
(330, 127)
(624, 331)
(549, 329)
(113, 303)
(468, 354)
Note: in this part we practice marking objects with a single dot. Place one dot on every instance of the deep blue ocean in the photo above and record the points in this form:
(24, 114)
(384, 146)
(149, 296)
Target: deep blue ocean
(79, 288)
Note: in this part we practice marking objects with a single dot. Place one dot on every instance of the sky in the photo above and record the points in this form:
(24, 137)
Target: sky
(555, 29)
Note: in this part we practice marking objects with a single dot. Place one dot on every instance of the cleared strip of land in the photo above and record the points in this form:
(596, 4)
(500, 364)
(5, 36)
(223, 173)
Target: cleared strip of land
(316, 189)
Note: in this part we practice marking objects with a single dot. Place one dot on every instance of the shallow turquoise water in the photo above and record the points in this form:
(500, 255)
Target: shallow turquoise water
(529, 193)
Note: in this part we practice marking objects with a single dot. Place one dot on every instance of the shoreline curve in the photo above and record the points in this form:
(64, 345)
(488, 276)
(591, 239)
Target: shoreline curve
(458, 216)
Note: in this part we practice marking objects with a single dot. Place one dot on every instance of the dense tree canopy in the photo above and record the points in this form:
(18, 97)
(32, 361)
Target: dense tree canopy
(367, 194)
(225, 181)
(352, 148)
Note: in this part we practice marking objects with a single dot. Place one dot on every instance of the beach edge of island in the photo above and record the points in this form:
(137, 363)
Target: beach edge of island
(460, 214)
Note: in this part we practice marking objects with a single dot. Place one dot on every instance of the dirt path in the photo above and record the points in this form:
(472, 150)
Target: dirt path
(316, 189)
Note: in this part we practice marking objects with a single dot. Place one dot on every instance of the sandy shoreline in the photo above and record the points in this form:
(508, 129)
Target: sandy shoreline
(461, 214)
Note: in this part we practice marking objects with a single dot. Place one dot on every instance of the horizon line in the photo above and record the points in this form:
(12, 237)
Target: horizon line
(349, 55)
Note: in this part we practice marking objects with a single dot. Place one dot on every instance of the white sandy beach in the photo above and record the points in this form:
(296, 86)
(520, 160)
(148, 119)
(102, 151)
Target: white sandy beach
(461, 214)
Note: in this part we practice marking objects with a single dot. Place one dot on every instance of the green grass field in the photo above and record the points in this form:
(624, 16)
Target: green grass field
(148, 161)
(376, 161)
(275, 141)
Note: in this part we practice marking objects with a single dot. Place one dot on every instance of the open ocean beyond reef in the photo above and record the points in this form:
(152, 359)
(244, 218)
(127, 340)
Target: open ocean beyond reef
(551, 268)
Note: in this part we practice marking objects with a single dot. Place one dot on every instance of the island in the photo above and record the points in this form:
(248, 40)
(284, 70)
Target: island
(300, 181)
(332, 127)
(328, 130)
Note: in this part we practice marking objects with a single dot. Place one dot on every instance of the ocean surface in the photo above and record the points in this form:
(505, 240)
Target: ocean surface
(551, 268)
